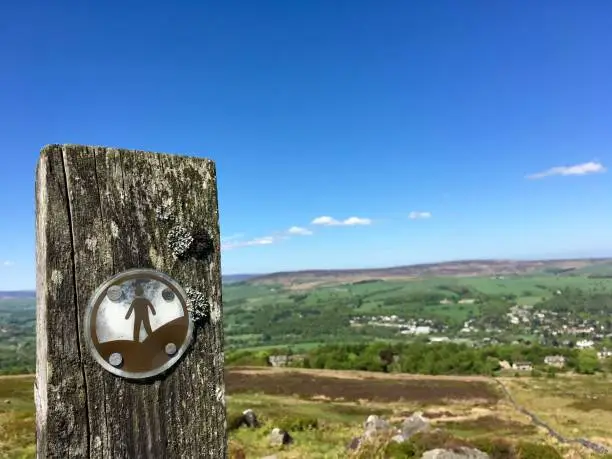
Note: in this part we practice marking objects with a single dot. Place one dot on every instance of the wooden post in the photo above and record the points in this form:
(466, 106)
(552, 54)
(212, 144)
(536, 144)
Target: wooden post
(101, 211)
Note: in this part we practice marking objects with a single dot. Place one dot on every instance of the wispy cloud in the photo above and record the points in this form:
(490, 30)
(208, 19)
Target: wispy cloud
(236, 241)
(415, 215)
(233, 237)
(265, 240)
(8, 263)
(298, 230)
(351, 221)
(592, 167)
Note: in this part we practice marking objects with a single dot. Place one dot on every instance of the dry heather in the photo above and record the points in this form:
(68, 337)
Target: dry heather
(334, 386)
(323, 410)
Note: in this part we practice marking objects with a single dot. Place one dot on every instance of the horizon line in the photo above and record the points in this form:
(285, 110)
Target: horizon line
(461, 260)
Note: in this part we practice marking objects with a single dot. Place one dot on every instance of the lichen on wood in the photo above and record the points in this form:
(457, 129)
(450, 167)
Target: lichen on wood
(179, 241)
(101, 211)
(197, 305)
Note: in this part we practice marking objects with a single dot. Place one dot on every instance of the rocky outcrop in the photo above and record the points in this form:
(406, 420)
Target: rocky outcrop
(279, 437)
(458, 453)
(249, 419)
(414, 424)
(376, 428)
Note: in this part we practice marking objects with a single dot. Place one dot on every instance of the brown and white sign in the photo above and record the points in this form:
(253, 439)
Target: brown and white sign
(138, 324)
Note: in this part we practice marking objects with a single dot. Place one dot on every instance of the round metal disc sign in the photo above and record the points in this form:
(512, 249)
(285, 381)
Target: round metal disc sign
(137, 323)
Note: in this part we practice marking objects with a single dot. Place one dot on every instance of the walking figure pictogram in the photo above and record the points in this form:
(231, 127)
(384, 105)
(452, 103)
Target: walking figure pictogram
(140, 306)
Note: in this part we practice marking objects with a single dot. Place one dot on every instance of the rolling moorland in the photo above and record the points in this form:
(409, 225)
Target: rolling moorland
(486, 337)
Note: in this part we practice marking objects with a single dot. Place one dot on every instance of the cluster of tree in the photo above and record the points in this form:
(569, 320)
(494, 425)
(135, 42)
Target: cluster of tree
(432, 359)
(19, 358)
(17, 335)
(578, 301)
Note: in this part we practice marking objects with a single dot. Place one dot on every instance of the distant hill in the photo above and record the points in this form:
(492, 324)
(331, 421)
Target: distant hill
(17, 294)
(593, 267)
(231, 278)
(463, 268)
(227, 279)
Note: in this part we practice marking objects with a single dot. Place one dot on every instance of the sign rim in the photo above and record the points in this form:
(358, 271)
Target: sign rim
(131, 273)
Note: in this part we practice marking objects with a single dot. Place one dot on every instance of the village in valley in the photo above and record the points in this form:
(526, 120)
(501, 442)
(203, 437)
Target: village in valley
(549, 328)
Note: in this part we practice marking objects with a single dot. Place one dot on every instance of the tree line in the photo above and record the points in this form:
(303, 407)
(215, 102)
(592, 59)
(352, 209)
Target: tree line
(432, 359)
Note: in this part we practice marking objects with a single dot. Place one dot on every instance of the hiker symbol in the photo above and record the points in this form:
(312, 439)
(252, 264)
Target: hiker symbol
(137, 324)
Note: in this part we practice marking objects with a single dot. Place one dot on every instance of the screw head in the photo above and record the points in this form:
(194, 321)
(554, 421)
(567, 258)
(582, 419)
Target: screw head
(168, 294)
(115, 359)
(170, 348)
(114, 293)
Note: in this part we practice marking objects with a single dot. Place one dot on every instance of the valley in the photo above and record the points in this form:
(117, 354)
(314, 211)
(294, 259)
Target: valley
(467, 344)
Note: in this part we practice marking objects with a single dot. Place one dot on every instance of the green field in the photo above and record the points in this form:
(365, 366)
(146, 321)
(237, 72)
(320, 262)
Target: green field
(323, 411)
(264, 315)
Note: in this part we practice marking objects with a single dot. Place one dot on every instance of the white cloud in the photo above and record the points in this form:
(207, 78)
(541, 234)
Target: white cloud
(351, 221)
(299, 230)
(414, 215)
(261, 240)
(234, 241)
(8, 263)
(592, 167)
(327, 221)
(265, 240)
(233, 237)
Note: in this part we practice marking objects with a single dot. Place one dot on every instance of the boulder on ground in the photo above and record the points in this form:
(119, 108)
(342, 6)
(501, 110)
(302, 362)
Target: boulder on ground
(458, 453)
(249, 419)
(280, 437)
(377, 424)
(414, 424)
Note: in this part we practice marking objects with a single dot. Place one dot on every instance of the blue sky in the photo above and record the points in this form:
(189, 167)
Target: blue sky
(360, 111)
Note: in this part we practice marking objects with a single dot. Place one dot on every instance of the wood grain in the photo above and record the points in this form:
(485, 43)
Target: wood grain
(101, 211)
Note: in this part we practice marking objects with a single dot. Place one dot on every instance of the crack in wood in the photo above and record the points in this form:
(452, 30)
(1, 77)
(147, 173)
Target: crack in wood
(75, 294)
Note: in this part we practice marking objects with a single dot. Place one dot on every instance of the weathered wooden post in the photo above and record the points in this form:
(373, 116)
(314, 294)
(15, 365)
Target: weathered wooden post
(129, 329)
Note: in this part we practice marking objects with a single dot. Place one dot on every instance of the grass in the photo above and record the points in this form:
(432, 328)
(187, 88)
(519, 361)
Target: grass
(324, 410)
(17, 417)
(575, 406)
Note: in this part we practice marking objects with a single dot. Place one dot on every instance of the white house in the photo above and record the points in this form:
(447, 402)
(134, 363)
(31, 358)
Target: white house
(555, 360)
(584, 344)
(604, 354)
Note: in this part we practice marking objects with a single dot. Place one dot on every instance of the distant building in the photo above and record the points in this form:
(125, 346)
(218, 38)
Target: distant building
(584, 344)
(284, 360)
(278, 360)
(439, 339)
(505, 365)
(604, 354)
(416, 330)
(522, 366)
(555, 361)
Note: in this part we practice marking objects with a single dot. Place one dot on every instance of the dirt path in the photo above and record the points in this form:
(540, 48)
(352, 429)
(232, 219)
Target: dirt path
(342, 374)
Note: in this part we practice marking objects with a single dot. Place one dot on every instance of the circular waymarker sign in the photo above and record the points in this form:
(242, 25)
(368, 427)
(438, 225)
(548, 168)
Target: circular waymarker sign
(137, 323)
